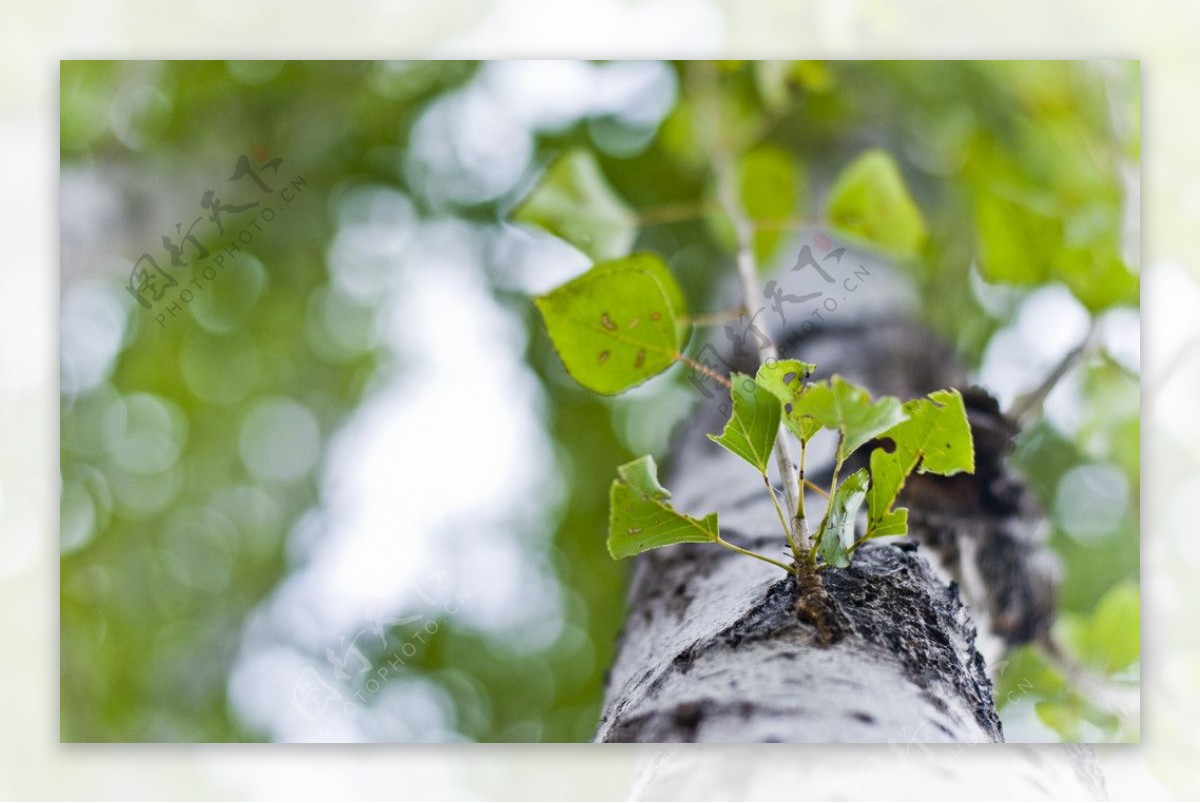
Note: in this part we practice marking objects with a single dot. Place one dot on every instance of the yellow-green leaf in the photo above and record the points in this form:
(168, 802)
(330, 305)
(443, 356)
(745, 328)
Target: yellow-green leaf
(935, 438)
(869, 201)
(641, 518)
(836, 535)
(785, 380)
(617, 325)
(769, 183)
(753, 425)
(847, 408)
(1110, 639)
(573, 201)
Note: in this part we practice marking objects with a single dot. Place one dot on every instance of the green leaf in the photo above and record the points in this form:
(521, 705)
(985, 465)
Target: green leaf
(640, 518)
(836, 535)
(1017, 237)
(891, 522)
(1110, 639)
(778, 81)
(617, 325)
(869, 201)
(573, 201)
(785, 380)
(754, 423)
(769, 183)
(936, 438)
(839, 405)
(1063, 717)
(1026, 237)
(1098, 277)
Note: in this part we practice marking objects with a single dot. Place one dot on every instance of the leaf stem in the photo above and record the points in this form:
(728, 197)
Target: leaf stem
(752, 554)
(837, 468)
(711, 374)
(672, 213)
(817, 488)
(787, 531)
(859, 543)
(833, 482)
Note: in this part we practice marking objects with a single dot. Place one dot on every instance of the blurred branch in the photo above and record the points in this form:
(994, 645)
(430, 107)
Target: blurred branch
(1090, 685)
(1028, 405)
(725, 171)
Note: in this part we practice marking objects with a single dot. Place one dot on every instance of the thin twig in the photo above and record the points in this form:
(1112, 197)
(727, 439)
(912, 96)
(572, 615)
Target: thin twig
(713, 318)
(1029, 404)
(724, 168)
(672, 213)
(711, 374)
(812, 485)
(753, 554)
(1090, 684)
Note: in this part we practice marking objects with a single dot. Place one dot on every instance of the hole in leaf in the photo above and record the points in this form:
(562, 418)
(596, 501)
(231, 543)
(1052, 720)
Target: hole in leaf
(789, 377)
(787, 408)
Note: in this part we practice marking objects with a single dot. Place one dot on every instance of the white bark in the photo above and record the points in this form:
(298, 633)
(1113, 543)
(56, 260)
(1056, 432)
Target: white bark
(714, 652)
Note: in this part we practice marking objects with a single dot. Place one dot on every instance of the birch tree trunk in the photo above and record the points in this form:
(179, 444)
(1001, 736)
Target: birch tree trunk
(713, 651)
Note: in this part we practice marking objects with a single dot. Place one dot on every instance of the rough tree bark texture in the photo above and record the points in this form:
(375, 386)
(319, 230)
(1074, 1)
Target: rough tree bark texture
(713, 651)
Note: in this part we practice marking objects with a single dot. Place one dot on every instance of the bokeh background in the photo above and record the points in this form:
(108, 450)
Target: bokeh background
(337, 487)
(35, 765)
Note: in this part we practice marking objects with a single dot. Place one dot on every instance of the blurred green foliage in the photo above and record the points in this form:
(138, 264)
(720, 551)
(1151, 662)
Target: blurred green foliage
(173, 534)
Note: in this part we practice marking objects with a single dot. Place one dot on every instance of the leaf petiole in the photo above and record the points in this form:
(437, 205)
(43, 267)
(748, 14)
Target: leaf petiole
(787, 531)
(817, 488)
(711, 374)
(752, 554)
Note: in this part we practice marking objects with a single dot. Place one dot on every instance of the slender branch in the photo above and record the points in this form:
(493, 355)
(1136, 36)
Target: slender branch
(790, 223)
(672, 213)
(817, 488)
(812, 552)
(833, 482)
(859, 543)
(711, 374)
(1088, 683)
(837, 468)
(717, 317)
(1029, 404)
(725, 169)
(753, 554)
